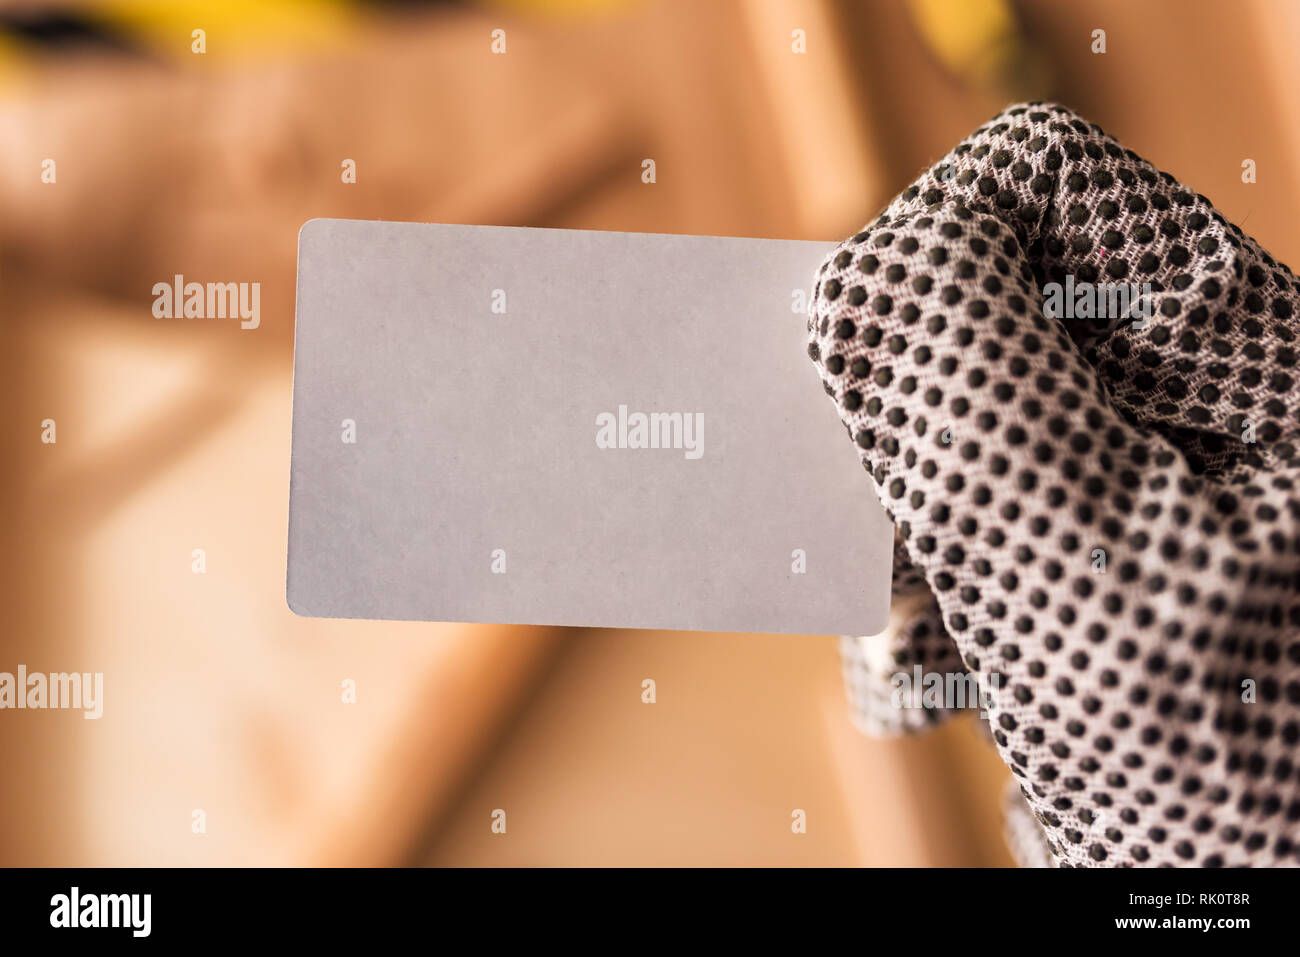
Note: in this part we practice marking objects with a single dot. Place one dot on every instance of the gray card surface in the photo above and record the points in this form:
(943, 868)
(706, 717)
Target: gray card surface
(569, 427)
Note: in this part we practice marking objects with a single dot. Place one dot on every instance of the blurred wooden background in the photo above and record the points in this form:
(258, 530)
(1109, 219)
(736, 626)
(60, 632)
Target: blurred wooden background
(174, 435)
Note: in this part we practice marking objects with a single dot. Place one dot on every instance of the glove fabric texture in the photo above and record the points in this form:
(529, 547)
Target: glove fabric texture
(1097, 512)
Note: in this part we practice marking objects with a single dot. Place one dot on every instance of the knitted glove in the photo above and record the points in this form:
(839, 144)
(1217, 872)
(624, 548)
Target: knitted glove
(1104, 507)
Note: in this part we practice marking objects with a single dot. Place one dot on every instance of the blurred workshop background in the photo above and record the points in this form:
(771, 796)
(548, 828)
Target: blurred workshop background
(775, 118)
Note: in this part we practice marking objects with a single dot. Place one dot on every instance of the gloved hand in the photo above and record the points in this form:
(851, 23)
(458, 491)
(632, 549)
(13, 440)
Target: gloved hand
(1104, 512)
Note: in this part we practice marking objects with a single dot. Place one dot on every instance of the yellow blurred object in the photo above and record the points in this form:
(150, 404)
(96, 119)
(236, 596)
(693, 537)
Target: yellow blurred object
(12, 55)
(231, 26)
(980, 43)
(557, 7)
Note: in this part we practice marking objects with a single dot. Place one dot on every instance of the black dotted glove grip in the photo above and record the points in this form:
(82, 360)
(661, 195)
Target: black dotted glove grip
(1104, 508)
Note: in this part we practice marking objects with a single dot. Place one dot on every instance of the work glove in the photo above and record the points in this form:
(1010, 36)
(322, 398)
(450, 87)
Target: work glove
(1098, 512)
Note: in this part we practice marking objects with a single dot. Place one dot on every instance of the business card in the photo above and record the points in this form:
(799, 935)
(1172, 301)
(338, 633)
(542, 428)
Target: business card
(571, 427)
